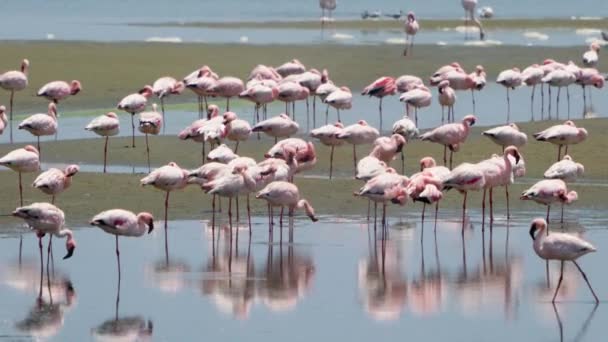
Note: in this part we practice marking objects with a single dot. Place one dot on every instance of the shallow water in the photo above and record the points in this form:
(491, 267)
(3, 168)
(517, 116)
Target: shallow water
(333, 275)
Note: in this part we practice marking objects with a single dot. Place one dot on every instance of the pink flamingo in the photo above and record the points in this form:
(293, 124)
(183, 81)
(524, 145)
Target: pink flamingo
(279, 126)
(549, 191)
(327, 136)
(290, 92)
(561, 78)
(424, 187)
(560, 246)
(261, 95)
(510, 78)
(498, 171)
(236, 129)
(589, 77)
(506, 136)
(327, 5)
(150, 123)
(464, 178)
(3, 119)
(22, 160)
(411, 28)
(285, 194)
(447, 98)
(222, 154)
(165, 87)
(305, 154)
(312, 80)
(406, 83)
(167, 178)
(323, 91)
(565, 134)
(293, 67)
(228, 87)
(384, 188)
(120, 222)
(200, 82)
(264, 72)
(418, 97)
(106, 125)
(133, 104)
(55, 181)
(479, 82)
(41, 124)
(407, 129)
(591, 57)
(205, 174)
(369, 167)
(59, 90)
(450, 135)
(386, 148)
(440, 74)
(358, 134)
(384, 86)
(428, 166)
(532, 76)
(341, 98)
(469, 15)
(14, 80)
(566, 169)
(192, 131)
(548, 66)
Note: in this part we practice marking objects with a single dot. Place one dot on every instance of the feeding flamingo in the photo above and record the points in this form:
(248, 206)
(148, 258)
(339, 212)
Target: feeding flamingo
(14, 80)
(285, 194)
(150, 123)
(55, 181)
(106, 125)
(22, 160)
(133, 104)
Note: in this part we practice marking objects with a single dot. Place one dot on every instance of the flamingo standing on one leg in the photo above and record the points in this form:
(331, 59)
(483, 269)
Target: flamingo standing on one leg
(447, 98)
(411, 28)
(279, 126)
(323, 91)
(549, 191)
(386, 148)
(41, 124)
(328, 136)
(59, 90)
(290, 92)
(228, 87)
(566, 169)
(380, 88)
(200, 82)
(407, 129)
(261, 95)
(236, 129)
(55, 181)
(14, 80)
(479, 82)
(341, 98)
(292, 67)
(418, 97)
(22, 160)
(464, 178)
(358, 134)
(150, 123)
(510, 78)
(507, 135)
(106, 125)
(562, 135)
(165, 87)
(532, 76)
(560, 246)
(385, 187)
(589, 77)
(133, 104)
(450, 135)
(285, 194)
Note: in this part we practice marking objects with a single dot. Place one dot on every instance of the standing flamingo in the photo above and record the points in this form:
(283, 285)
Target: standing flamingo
(589, 77)
(380, 88)
(591, 57)
(55, 181)
(406, 83)
(285, 194)
(14, 80)
(313, 79)
(450, 135)
(22, 160)
(566, 169)
(506, 135)
(341, 98)
(386, 148)
(560, 246)
(201, 83)
(424, 187)
(532, 76)
(222, 154)
(565, 134)
(150, 123)
(418, 97)
(328, 136)
(548, 191)
(236, 129)
(228, 87)
(59, 90)
(407, 129)
(167, 178)
(383, 188)
(358, 134)
(163, 88)
(464, 178)
(41, 124)
(120, 222)
(498, 171)
(106, 125)
(447, 98)
(196, 132)
(305, 154)
(278, 127)
(510, 78)
(323, 91)
(327, 5)
(261, 95)
(290, 92)
(293, 67)
(133, 104)
(479, 82)
(411, 28)
(369, 167)
(469, 15)
(560, 78)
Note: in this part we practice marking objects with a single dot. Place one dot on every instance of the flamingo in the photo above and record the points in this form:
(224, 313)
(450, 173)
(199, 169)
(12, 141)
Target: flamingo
(566, 169)
(327, 5)
(293, 67)
(14, 80)
(279, 126)
(369, 167)
(358, 134)
(327, 136)
(200, 82)
(323, 91)
(41, 124)
(46, 218)
(591, 57)
(285, 194)
(165, 87)
(193, 131)
(212, 130)
(589, 77)
(406, 83)
(207, 173)
(264, 72)
(313, 79)
(440, 74)
(341, 98)
(59, 90)
(383, 188)
(411, 28)
(167, 178)
(565, 134)
(261, 95)
(26, 159)
(532, 76)
(380, 88)
(548, 66)
(447, 98)
(222, 154)
(418, 97)
(560, 246)
(236, 129)
(3, 119)
(407, 129)
(305, 154)
(386, 148)
(506, 135)
(479, 82)
(55, 181)
(548, 191)
(425, 188)
(290, 92)
(469, 14)
(133, 104)
(464, 178)
(106, 125)
(428, 166)
(150, 123)
(228, 87)
(499, 171)
(560, 78)
(120, 222)
(510, 78)
(450, 135)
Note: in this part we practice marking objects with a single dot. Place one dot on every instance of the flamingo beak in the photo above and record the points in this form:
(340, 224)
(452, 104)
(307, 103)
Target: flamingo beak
(532, 231)
(150, 227)
(517, 158)
(70, 252)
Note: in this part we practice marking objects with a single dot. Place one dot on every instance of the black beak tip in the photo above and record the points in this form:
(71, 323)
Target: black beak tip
(70, 253)
(150, 227)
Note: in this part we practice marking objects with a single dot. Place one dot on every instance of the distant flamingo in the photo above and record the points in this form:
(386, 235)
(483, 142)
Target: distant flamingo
(59, 90)
(589, 77)
(167, 178)
(278, 127)
(41, 124)
(14, 80)
(469, 15)
(341, 98)
(450, 135)
(506, 135)
(55, 181)
(285, 194)
(562, 135)
(464, 178)
(22, 160)
(591, 57)
(3, 119)
(236, 129)
(106, 126)
(358, 134)
(560, 246)
(406, 83)
(411, 28)
(532, 76)
(120, 222)
(228, 87)
(418, 97)
(566, 169)
(327, 135)
(549, 191)
(327, 5)
(384, 86)
(447, 98)
(133, 104)
(165, 87)
(150, 123)
(293, 67)
(510, 78)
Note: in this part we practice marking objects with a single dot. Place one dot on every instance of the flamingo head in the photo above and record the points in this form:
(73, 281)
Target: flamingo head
(513, 151)
(70, 246)
(178, 88)
(537, 224)
(410, 16)
(324, 76)
(400, 196)
(213, 111)
(147, 219)
(362, 123)
(52, 110)
(548, 61)
(32, 149)
(443, 84)
(337, 124)
(598, 81)
(112, 115)
(229, 117)
(399, 140)
(146, 91)
(582, 133)
(71, 170)
(25, 64)
(427, 162)
(480, 70)
(569, 123)
(514, 126)
(469, 120)
(595, 46)
(75, 87)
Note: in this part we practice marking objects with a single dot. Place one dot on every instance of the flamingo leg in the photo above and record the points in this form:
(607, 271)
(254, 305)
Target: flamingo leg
(331, 161)
(568, 98)
(380, 113)
(166, 210)
(339, 119)
(213, 213)
(586, 280)
(11, 114)
(549, 108)
(492, 205)
(559, 152)
(436, 212)
(473, 98)
(162, 108)
(559, 89)
(118, 258)
(445, 155)
(451, 158)
(148, 152)
(307, 116)
(542, 101)
(38, 146)
(508, 107)
(105, 154)
(41, 261)
(559, 282)
(442, 114)
(584, 101)
(547, 219)
(402, 161)
(238, 218)
(314, 111)
(227, 104)
(133, 130)
(423, 211)
(532, 102)
(562, 217)
(354, 159)
(249, 215)
(464, 209)
(20, 191)
(507, 194)
(326, 114)
(483, 208)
